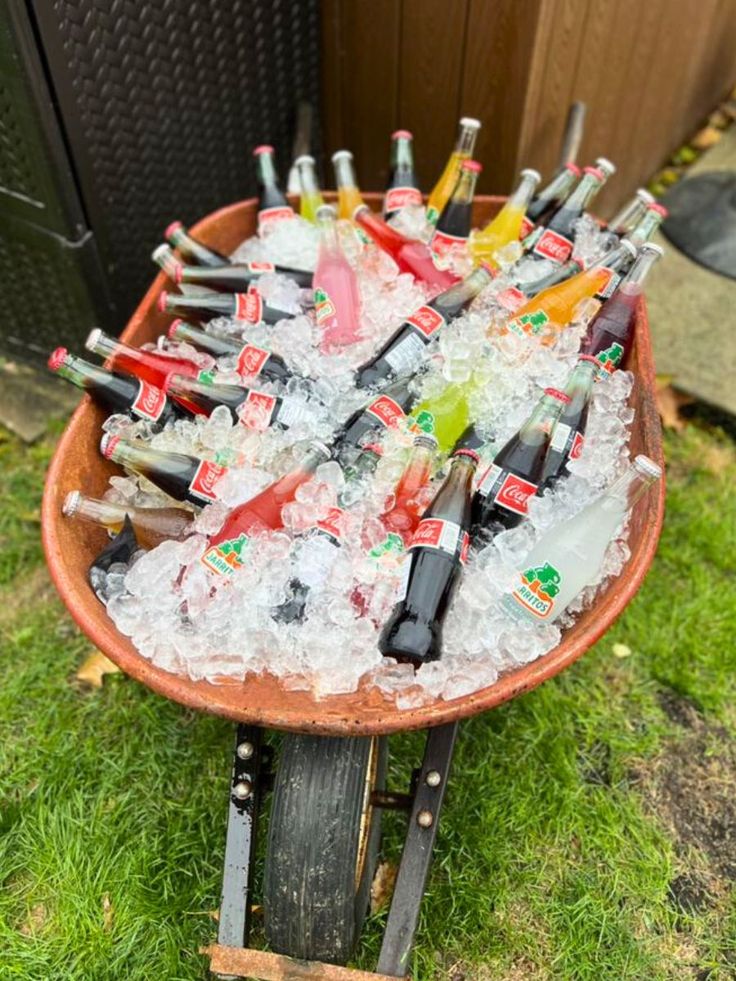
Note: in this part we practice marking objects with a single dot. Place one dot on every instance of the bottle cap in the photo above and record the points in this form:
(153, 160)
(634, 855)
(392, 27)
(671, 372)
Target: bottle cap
(306, 158)
(659, 208)
(605, 165)
(71, 503)
(588, 357)
(173, 228)
(108, 444)
(322, 448)
(645, 196)
(465, 451)
(173, 327)
(629, 246)
(57, 358)
(426, 439)
(164, 249)
(402, 134)
(652, 248)
(555, 393)
(470, 123)
(573, 168)
(263, 148)
(163, 297)
(472, 165)
(531, 172)
(595, 172)
(340, 154)
(93, 339)
(647, 466)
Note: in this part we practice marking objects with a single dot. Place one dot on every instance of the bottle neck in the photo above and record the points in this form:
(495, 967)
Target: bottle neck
(107, 346)
(580, 383)
(627, 489)
(82, 373)
(134, 455)
(634, 279)
(91, 509)
(459, 480)
(523, 194)
(267, 170)
(465, 188)
(344, 172)
(464, 291)
(584, 193)
(560, 186)
(308, 177)
(628, 216)
(417, 472)
(540, 423)
(466, 137)
(328, 229)
(402, 157)
(617, 258)
(648, 225)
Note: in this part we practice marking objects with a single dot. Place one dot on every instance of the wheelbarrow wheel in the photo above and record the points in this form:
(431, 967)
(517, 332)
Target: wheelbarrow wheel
(323, 843)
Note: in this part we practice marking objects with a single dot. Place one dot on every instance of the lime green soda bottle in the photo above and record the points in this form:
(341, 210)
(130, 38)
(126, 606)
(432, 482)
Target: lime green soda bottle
(446, 415)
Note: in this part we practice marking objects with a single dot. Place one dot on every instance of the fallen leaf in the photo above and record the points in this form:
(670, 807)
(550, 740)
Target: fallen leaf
(706, 138)
(382, 886)
(669, 402)
(35, 920)
(94, 668)
(106, 913)
(621, 650)
(719, 118)
(214, 914)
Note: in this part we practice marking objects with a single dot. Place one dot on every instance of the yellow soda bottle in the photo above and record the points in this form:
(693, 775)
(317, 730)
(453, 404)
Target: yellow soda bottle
(349, 198)
(506, 226)
(464, 147)
(311, 196)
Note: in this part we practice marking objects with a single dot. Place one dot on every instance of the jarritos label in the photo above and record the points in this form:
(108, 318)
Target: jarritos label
(446, 536)
(205, 479)
(324, 308)
(442, 243)
(226, 557)
(401, 197)
(537, 590)
(260, 267)
(249, 306)
(269, 216)
(528, 324)
(552, 245)
(149, 403)
(609, 359)
(426, 321)
(256, 410)
(389, 552)
(506, 489)
(388, 412)
(251, 360)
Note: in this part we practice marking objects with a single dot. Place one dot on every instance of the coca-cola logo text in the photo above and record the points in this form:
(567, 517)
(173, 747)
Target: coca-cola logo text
(386, 410)
(204, 480)
(251, 360)
(554, 246)
(149, 402)
(514, 493)
(426, 320)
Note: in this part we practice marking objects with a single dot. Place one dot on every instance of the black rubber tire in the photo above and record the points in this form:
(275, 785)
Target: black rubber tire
(314, 900)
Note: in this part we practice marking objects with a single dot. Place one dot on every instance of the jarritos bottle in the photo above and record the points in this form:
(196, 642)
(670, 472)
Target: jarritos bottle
(500, 501)
(506, 226)
(183, 477)
(151, 525)
(406, 505)
(152, 366)
(336, 293)
(617, 260)
(555, 240)
(464, 149)
(610, 333)
(251, 361)
(310, 200)
(447, 415)
(455, 220)
(438, 549)
(225, 552)
(402, 190)
(569, 556)
(231, 278)
(349, 197)
(568, 436)
(240, 306)
(253, 409)
(405, 350)
(117, 393)
(272, 203)
(191, 249)
(382, 412)
(410, 255)
(551, 197)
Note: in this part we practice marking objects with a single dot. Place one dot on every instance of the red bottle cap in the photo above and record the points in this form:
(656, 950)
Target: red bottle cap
(263, 148)
(402, 134)
(595, 171)
(171, 229)
(555, 393)
(163, 297)
(573, 168)
(172, 327)
(659, 208)
(57, 358)
(468, 452)
(588, 357)
(108, 444)
(472, 165)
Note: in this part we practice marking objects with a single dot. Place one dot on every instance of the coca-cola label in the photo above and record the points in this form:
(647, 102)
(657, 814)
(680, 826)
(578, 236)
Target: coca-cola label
(527, 227)
(271, 215)
(427, 321)
(552, 245)
(226, 557)
(401, 197)
(256, 410)
(324, 308)
(249, 306)
(511, 298)
(260, 267)
(331, 524)
(506, 489)
(442, 243)
(578, 441)
(609, 359)
(149, 403)
(447, 536)
(537, 588)
(528, 324)
(251, 360)
(388, 412)
(205, 479)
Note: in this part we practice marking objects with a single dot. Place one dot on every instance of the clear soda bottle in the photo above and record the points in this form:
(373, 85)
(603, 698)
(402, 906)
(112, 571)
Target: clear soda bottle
(336, 293)
(506, 226)
(151, 525)
(464, 148)
(402, 190)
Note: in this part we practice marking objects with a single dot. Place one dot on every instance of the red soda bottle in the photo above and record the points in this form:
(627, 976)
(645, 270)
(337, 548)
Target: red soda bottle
(255, 410)
(252, 361)
(272, 203)
(500, 501)
(551, 197)
(555, 240)
(192, 249)
(610, 334)
(455, 221)
(240, 306)
(183, 477)
(117, 393)
(152, 366)
(405, 350)
(438, 550)
(402, 189)
(406, 504)
(384, 411)
(151, 525)
(568, 436)
(224, 553)
(410, 255)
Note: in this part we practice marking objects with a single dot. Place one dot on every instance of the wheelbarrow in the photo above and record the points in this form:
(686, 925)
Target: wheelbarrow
(329, 787)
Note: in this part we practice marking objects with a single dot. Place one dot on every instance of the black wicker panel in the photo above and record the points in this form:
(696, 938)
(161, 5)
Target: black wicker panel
(162, 102)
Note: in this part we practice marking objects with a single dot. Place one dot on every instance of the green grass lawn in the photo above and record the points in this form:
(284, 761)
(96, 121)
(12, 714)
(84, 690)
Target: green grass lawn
(589, 832)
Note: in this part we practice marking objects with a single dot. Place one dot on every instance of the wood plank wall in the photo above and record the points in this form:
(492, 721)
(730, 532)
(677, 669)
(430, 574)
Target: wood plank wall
(649, 71)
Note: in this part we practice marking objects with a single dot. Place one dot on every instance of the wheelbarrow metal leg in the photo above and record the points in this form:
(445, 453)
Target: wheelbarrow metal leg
(242, 821)
(398, 938)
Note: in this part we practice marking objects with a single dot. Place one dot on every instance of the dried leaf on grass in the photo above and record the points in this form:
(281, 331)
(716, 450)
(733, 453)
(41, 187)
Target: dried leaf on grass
(621, 650)
(382, 887)
(35, 920)
(669, 403)
(94, 668)
(106, 913)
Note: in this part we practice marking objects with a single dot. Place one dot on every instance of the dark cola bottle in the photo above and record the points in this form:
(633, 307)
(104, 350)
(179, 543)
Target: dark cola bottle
(233, 278)
(554, 241)
(500, 501)
(116, 393)
(384, 411)
(272, 203)
(251, 361)
(405, 350)
(183, 477)
(240, 306)
(568, 436)
(551, 197)
(438, 549)
(402, 190)
(253, 409)
(456, 219)
(191, 249)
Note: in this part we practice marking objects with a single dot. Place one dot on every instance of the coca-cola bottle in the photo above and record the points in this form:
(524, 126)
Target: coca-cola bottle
(455, 221)
(568, 436)
(192, 249)
(224, 553)
(629, 214)
(272, 203)
(438, 549)
(555, 240)
(464, 148)
(310, 200)
(500, 501)
(151, 525)
(251, 361)
(653, 218)
(255, 410)
(402, 189)
(383, 412)
(551, 197)
(117, 393)
(405, 350)
(410, 255)
(610, 334)
(152, 366)
(240, 306)
(232, 278)
(183, 477)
